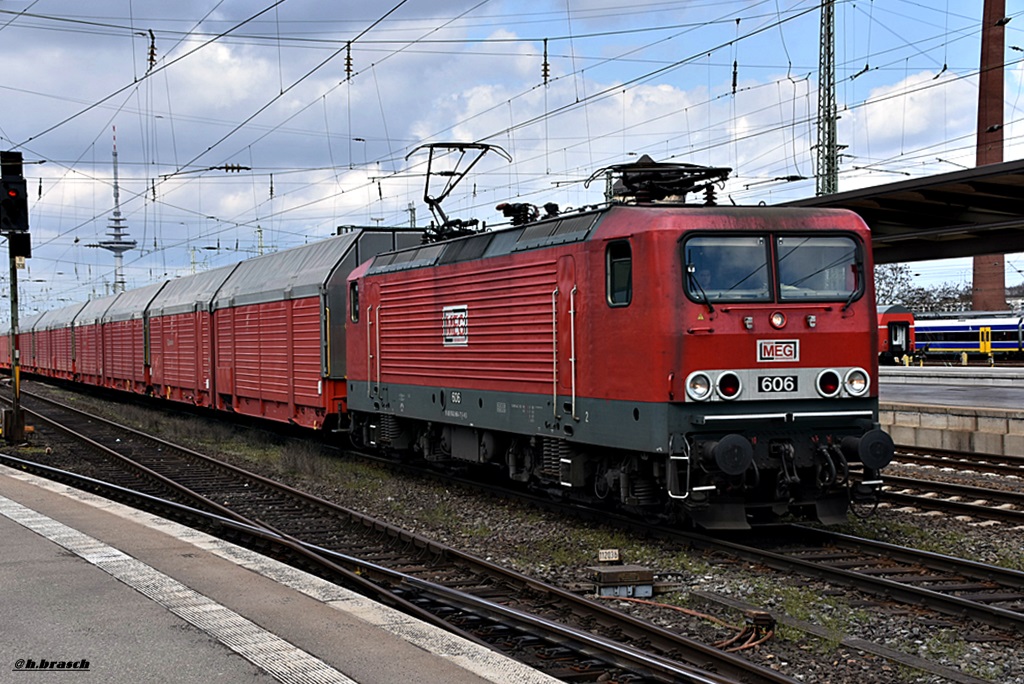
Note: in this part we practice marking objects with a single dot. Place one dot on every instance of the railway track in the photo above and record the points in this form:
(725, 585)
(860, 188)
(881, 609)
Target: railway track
(961, 460)
(555, 631)
(928, 581)
(957, 587)
(998, 492)
(958, 499)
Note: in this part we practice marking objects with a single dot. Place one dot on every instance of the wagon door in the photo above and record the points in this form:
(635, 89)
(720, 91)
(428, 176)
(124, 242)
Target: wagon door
(565, 300)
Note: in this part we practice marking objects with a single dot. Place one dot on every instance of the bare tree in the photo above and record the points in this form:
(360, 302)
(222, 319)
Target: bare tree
(947, 297)
(893, 283)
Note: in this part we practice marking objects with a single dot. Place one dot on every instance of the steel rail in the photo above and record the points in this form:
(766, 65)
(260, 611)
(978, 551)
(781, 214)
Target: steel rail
(627, 655)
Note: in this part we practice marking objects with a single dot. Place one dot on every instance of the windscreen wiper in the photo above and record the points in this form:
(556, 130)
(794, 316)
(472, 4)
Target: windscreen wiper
(691, 271)
(849, 300)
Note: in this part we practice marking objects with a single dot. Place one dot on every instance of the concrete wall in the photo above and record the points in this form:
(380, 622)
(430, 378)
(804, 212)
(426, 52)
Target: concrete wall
(975, 430)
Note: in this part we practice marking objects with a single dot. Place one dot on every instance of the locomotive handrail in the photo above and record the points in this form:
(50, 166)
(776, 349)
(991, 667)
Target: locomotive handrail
(554, 353)
(786, 417)
(369, 351)
(572, 346)
(378, 352)
(832, 414)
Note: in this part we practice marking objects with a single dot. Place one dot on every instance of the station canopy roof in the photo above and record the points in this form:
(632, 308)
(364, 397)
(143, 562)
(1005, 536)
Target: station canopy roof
(964, 213)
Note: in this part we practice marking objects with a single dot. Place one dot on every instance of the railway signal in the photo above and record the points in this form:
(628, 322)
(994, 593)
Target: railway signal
(13, 194)
(14, 225)
(14, 206)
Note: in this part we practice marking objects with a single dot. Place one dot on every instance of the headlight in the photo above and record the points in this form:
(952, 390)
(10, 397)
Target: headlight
(698, 386)
(857, 382)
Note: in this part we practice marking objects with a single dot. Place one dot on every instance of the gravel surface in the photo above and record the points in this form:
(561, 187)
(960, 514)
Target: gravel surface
(560, 551)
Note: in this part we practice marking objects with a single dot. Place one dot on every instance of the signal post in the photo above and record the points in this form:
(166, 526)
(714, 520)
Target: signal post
(14, 226)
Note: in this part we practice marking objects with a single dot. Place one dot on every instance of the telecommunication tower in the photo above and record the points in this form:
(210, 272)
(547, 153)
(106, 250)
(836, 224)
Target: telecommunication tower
(119, 242)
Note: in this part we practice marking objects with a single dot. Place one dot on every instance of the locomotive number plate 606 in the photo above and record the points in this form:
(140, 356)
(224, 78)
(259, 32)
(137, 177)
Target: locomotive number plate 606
(777, 383)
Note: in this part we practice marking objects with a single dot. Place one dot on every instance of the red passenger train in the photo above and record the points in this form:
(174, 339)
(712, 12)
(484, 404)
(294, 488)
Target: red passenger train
(896, 334)
(715, 364)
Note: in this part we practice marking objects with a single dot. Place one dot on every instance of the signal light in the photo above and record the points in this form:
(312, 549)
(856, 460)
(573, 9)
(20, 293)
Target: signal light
(13, 195)
(13, 206)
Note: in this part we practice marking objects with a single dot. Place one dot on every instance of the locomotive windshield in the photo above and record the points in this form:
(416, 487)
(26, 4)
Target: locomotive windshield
(727, 268)
(817, 268)
(759, 268)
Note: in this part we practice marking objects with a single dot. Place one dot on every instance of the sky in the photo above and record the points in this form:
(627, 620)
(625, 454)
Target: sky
(247, 127)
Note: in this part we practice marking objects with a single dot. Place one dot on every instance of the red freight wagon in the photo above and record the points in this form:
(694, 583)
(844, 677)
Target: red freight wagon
(181, 337)
(27, 342)
(717, 359)
(89, 358)
(279, 330)
(5, 356)
(41, 358)
(56, 342)
(5, 348)
(125, 340)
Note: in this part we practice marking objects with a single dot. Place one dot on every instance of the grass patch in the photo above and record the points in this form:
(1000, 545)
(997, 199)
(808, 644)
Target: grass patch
(805, 603)
(305, 459)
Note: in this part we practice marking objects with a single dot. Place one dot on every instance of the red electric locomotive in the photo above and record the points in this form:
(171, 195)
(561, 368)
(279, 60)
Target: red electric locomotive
(713, 363)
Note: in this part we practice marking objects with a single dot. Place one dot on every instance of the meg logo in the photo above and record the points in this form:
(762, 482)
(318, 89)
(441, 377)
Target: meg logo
(778, 350)
(455, 326)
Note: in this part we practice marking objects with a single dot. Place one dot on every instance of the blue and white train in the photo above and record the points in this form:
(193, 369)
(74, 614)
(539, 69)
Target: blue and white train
(988, 335)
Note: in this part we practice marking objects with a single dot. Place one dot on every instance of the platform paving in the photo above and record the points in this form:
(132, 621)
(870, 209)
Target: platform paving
(93, 591)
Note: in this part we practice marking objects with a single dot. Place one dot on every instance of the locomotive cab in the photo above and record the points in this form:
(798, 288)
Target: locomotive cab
(779, 365)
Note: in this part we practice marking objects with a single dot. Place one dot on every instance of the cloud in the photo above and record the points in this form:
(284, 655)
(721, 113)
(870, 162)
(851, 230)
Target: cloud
(922, 111)
(325, 149)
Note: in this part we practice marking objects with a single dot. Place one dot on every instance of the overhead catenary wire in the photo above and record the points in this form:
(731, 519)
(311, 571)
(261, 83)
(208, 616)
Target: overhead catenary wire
(522, 172)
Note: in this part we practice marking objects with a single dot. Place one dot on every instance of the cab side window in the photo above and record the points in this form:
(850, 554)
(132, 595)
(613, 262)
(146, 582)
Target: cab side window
(353, 301)
(619, 273)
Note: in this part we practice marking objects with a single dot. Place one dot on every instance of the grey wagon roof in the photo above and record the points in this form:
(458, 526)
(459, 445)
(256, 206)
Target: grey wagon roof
(288, 274)
(56, 319)
(94, 309)
(27, 324)
(190, 293)
(131, 304)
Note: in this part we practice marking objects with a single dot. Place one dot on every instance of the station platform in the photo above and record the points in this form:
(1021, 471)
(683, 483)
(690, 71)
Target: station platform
(954, 386)
(92, 586)
(971, 409)
(982, 376)
(972, 386)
